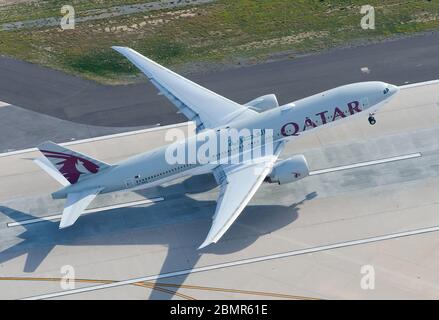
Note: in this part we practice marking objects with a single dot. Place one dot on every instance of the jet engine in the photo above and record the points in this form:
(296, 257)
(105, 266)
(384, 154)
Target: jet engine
(289, 170)
(263, 103)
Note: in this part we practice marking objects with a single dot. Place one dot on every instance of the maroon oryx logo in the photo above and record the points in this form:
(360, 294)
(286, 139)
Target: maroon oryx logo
(71, 166)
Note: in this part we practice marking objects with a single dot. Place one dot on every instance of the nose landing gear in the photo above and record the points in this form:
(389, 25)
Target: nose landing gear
(371, 119)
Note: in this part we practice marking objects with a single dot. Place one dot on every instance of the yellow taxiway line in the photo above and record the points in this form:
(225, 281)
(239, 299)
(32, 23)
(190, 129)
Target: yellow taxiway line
(162, 287)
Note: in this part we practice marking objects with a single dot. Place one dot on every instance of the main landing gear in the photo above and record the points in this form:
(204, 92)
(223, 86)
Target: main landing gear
(371, 119)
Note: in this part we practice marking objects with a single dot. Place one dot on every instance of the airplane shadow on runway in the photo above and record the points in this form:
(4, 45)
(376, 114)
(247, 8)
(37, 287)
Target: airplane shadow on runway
(141, 226)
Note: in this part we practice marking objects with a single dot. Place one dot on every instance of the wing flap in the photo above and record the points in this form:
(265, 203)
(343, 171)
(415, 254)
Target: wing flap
(238, 183)
(234, 196)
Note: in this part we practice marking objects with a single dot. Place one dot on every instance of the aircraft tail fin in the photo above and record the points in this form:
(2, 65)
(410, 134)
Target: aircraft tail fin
(47, 166)
(65, 165)
(75, 205)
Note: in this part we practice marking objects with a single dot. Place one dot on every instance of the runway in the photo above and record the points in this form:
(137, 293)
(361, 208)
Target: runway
(238, 263)
(372, 200)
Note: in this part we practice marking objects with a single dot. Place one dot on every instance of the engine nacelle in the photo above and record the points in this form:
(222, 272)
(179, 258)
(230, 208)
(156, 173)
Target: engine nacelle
(289, 170)
(263, 103)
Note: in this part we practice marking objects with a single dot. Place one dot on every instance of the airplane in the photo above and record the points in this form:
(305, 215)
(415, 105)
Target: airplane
(270, 125)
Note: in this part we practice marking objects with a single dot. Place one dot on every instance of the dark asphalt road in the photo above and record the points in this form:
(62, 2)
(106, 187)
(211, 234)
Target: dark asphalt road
(21, 129)
(70, 98)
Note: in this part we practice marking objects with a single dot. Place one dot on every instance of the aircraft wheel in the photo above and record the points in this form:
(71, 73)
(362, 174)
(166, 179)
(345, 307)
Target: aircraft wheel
(372, 120)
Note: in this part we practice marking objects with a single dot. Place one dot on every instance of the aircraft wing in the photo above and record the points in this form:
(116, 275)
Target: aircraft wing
(75, 205)
(206, 108)
(238, 184)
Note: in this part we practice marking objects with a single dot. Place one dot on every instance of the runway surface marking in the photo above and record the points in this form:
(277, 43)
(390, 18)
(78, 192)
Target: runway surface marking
(55, 217)
(367, 163)
(250, 292)
(406, 86)
(162, 287)
(128, 204)
(148, 285)
(110, 136)
(239, 262)
(419, 84)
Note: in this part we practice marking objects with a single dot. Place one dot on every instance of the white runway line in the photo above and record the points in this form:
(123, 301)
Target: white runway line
(367, 163)
(128, 204)
(407, 86)
(111, 136)
(239, 262)
(58, 216)
(419, 84)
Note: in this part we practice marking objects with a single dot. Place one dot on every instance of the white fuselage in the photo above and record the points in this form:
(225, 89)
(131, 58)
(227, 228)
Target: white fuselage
(284, 122)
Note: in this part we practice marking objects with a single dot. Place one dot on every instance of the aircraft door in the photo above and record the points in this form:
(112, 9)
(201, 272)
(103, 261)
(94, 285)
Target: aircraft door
(130, 183)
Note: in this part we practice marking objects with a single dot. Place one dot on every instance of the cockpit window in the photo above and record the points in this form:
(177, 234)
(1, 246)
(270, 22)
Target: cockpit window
(386, 90)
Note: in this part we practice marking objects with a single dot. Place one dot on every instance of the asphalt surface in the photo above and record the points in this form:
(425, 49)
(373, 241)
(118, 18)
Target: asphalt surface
(21, 128)
(321, 210)
(70, 98)
(350, 212)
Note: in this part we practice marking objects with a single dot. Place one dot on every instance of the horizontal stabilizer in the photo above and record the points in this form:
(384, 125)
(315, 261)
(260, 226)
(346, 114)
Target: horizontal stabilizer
(75, 205)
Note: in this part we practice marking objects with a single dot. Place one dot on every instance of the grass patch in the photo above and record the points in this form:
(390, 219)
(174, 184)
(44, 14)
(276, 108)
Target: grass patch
(164, 50)
(225, 31)
(45, 9)
(104, 63)
(99, 62)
